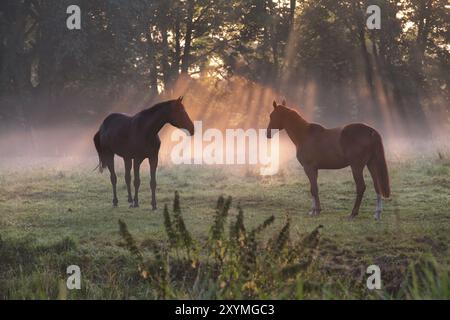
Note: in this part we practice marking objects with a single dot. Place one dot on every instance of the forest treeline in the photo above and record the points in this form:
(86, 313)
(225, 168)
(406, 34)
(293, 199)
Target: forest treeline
(302, 50)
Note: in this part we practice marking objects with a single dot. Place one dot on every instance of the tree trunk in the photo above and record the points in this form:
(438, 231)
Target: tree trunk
(368, 71)
(46, 53)
(416, 112)
(274, 43)
(185, 64)
(165, 58)
(153, 67)
(292, 6)
(367, 60)
(177, 56)
(423, 30)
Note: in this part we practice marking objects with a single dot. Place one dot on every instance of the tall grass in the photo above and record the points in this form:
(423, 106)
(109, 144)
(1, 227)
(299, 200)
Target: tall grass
(427, 280)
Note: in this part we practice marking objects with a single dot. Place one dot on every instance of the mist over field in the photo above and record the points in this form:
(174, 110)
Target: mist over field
(232, 104)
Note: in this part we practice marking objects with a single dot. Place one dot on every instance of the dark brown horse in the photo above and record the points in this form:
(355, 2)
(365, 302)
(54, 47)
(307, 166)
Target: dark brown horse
(135, 138)
(355, 145)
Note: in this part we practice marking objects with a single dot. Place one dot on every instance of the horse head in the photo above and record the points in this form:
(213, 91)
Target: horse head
(179, 118)
(276, 118)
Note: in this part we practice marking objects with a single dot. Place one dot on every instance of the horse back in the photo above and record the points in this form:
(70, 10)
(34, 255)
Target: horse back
(115, 125)
(114, 132)
(124, 135)
(357, 141)
(321, 148)
(358, 133)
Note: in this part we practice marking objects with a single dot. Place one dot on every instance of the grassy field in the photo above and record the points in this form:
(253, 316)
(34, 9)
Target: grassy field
(53, 215)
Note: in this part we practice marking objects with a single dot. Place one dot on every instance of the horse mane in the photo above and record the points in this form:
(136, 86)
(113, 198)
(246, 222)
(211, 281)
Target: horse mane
(294, 113)
(156, 107)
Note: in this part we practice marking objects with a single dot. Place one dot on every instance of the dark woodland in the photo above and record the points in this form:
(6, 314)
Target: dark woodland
(134, 53)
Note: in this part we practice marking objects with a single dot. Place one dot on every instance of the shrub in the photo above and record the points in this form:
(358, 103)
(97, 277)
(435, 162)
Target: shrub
(235, 266)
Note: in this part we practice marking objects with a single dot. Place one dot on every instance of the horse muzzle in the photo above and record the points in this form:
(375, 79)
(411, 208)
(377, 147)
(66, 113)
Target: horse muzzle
(191, 130)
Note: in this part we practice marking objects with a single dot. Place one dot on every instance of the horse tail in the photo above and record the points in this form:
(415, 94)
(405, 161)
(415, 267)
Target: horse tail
(381, 168)
(98, 147)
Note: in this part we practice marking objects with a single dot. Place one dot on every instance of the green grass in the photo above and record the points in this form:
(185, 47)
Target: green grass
(52, 217)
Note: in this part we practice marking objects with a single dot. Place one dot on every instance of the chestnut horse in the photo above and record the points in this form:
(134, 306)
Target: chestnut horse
(135, 138)
(355, 145)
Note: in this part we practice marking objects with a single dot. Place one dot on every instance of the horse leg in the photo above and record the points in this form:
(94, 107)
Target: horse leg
(357, 171)
(153, 161)
(137, 181)
(128, 164)
(113, 178)
(373, 174)
(312, 176)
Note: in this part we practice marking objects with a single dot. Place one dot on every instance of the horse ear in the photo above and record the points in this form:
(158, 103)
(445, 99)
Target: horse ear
(284, 103)
(180, 98)
(274, 104)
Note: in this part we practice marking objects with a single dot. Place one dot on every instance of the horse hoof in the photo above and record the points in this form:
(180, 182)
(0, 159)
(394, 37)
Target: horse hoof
(154, 208)
(352, 216)
(377, 215)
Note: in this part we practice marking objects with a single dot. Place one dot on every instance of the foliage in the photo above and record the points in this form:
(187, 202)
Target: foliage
(238, 266)
(140, 49)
